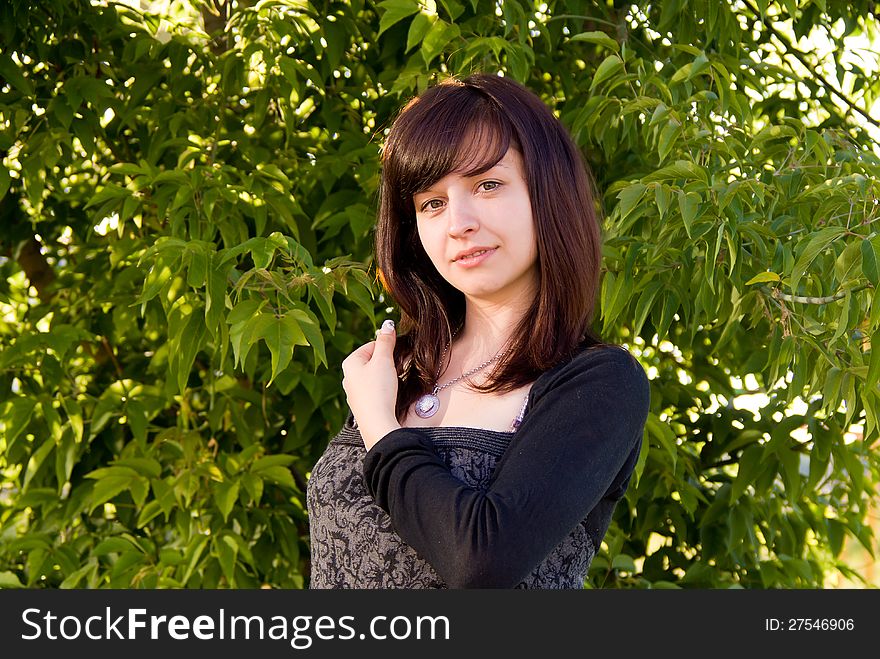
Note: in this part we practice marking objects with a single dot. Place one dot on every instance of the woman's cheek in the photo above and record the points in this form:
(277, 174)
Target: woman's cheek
(433, 248)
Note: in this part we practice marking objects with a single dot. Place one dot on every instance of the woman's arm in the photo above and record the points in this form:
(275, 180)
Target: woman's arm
(575, 447)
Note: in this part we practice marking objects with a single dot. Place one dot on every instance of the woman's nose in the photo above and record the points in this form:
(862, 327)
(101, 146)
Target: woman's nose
(462, 216)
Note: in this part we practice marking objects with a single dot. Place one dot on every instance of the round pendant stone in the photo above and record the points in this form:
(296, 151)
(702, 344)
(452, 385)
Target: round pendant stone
(427, 406)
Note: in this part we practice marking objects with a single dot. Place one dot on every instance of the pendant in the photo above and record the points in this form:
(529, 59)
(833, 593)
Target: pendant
(427, 406)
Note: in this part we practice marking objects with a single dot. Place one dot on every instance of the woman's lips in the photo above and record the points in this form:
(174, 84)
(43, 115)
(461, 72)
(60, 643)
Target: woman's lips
(473, 261)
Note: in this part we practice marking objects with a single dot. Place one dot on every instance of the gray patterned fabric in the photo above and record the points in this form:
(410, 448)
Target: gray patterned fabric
(353, 544)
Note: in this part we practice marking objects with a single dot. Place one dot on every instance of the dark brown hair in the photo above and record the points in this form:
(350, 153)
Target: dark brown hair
(433, 136)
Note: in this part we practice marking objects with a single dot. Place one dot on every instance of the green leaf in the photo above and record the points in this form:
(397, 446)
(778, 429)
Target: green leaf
(671, 305)
(662, 197)
(74, 416)
(643, 306)
(12, 74)
(842, 319)
(110, 192)
(108, 406)
(667, 139)
(816, 245)
(609, 67)
(38, 457)
(688, 204)
(193, 554)
(453, 8)
(5, 181)
(700, 65)
(624, 563)
(518, 61)
(362, 295)
(763, 277)
(395, 11)
(226, 494)
(10, 580)
(254, 486)
(279, 475)
(664, 436)
(437, 38)
(836, 532)
(16, 417)
(138, 419)
(149, 467)
(113, 545)
(245, 310)
(148, 512)
(617, 298)
(281, 335)
(157, 278)
(417, 30)
(65, 459)
(684, 73)
(242, 335)
(193, 338)
(681, 169)
(310, 327)
(262, 251)
(874, 361)
(271, 461)
(629, 197)
(321, 291)
(831, 389)
(870, 259)
(642, 461)
(750, 466)
(790, 461)
(107, 488)
(73, 579)
(215, 294)
(165, 495)
(846, 265)
(198, 269)
(227, 553)
(598, 38)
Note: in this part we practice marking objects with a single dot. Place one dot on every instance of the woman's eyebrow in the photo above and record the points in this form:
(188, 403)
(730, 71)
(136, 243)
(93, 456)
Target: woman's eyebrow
(431, 189)
(486, 171)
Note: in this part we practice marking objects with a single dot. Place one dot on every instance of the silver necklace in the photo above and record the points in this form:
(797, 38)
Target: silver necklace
(428, 404)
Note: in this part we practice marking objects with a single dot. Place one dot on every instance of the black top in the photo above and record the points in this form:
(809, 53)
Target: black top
(527, 508)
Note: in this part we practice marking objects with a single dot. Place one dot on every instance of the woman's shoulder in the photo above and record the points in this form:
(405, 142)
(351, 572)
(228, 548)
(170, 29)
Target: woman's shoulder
(601, 365)
(605, 353)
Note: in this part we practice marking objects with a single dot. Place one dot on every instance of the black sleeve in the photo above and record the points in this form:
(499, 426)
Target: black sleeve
(574, 448)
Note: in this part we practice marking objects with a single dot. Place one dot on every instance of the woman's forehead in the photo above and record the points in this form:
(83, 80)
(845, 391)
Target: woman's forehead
(481, 147)
(482, 162)
(423, 154)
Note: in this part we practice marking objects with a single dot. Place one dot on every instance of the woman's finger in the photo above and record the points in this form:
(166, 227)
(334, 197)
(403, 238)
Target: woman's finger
(360, 356)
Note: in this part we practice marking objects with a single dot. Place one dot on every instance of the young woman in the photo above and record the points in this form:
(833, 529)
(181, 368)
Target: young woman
(490, 440)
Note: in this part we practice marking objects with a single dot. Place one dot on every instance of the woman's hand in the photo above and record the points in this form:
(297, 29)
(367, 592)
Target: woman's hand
(370, 383)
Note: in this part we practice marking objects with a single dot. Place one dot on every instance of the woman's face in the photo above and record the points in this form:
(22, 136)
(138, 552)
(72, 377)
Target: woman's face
(492, 212)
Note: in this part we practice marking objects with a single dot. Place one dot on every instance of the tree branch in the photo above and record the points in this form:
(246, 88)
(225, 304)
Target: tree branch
(215, 15)
(813, 300)
(36, 268)
(810, 67)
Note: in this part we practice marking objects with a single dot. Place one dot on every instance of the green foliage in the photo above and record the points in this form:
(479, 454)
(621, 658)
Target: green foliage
(187, 201)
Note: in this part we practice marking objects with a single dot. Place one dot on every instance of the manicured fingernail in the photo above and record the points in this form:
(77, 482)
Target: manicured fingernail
(388, 327)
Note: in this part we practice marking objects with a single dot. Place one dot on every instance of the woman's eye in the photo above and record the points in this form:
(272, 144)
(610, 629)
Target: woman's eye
(431, 205)
(489, 186)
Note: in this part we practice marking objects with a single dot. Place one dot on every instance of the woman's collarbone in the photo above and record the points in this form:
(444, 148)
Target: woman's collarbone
(473, 410)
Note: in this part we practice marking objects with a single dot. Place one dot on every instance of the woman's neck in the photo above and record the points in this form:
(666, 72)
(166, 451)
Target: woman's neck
(487, 330)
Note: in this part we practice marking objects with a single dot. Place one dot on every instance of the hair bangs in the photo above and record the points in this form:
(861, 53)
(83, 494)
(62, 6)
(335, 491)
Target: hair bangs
(467, 136)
